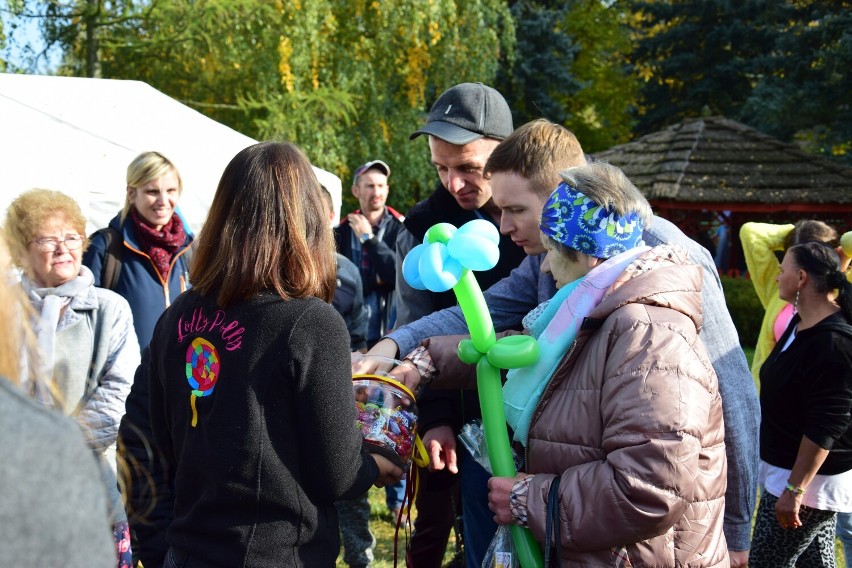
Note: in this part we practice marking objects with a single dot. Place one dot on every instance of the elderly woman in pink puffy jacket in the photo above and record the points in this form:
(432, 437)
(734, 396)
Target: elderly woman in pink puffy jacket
(621, 418)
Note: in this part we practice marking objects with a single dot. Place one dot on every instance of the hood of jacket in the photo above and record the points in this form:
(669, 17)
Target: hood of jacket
(663, 277)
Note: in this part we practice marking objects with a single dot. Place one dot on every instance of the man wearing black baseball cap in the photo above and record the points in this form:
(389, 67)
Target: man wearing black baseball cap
(468, 112)
(464, 125)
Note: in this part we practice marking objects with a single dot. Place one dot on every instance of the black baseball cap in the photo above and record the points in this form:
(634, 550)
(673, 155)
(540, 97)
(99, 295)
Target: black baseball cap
(468, 112)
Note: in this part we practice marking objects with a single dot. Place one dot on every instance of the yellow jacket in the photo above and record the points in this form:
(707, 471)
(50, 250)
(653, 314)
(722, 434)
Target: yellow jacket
(760, 242)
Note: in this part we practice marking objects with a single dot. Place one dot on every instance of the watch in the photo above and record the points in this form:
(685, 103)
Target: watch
(366, 237)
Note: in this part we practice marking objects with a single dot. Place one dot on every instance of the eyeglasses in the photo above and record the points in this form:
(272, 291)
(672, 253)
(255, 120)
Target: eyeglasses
(50, 244)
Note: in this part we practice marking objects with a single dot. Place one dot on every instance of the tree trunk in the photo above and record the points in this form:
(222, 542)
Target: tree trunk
(91, 44)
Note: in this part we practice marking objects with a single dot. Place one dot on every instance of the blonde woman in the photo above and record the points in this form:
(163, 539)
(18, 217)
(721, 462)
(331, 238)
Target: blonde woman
(86, 343)
(142, 254)
(54, 509)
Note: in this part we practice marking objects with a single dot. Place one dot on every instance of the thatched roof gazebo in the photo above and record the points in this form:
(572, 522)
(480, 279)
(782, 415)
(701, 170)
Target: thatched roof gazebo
(710, 172)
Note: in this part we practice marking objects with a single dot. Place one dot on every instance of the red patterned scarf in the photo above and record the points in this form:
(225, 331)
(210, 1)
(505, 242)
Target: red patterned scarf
(160, 245)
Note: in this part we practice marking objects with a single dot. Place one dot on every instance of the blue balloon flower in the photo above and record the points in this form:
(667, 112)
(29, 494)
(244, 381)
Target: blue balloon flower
(438, 266)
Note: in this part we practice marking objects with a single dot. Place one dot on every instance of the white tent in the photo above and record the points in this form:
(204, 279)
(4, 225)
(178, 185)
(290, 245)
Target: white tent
(78, 136)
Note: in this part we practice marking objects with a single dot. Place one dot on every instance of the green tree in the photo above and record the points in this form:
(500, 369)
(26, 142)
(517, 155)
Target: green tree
(389, 60)
(2, 47)
(571, 67)
(348, 80)
(212, 55)
(75, 28)
(781, 67)
(804, 93)
(697, 57)
(541, 81)
(601, 112)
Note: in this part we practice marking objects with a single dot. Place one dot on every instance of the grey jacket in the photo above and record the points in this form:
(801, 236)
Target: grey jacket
(54, 510)
(513, 297)
(96, 356)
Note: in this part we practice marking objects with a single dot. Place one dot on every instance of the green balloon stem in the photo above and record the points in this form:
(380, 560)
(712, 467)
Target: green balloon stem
(482, 338)
(491, 396)
(475, 311)
(500, 452)
(527, 547)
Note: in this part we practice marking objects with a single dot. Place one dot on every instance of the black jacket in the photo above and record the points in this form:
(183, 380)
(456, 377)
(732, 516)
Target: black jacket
(275, 442)
(349, 302)
(806, 390)
(381, 249)
(149, 487)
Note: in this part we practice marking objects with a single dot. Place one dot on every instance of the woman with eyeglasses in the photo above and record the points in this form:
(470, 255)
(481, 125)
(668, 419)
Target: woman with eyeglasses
(144, 252)
(86, 342)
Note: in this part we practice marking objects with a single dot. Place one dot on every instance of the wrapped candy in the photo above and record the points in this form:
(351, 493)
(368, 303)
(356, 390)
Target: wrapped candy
(387, 416)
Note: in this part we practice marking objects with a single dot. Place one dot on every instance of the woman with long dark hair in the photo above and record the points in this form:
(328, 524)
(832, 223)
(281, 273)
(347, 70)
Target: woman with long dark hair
(249, 374)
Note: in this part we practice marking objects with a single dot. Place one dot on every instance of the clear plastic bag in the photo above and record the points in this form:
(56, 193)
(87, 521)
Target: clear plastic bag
(501, 551)
(472, 437)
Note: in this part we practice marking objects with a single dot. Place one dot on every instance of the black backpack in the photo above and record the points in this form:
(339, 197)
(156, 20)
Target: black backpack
(111, 269)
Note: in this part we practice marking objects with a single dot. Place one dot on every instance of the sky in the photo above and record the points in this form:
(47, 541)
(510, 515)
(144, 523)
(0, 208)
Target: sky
(23, 41)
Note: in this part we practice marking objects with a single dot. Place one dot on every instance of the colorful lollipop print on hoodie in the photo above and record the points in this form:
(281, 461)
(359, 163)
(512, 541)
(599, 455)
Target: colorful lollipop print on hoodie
(202, 370)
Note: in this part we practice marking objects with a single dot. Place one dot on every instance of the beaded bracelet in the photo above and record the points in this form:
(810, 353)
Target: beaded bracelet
(794, 489)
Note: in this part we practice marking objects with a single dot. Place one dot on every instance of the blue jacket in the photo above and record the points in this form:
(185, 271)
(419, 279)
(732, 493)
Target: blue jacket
(139, 282)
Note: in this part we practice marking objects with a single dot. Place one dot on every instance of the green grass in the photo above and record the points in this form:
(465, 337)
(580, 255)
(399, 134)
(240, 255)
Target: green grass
(383, 528)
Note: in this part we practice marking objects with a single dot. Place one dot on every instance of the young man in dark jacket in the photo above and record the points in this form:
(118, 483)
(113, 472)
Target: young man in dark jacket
(464, 125)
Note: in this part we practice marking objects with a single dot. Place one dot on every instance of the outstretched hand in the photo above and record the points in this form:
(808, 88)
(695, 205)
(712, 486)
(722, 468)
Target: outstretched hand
(388, 472)
(407, 374)
(440, 443)
(364, 364)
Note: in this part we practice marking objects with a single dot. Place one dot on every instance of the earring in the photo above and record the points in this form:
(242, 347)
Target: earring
(796, 301)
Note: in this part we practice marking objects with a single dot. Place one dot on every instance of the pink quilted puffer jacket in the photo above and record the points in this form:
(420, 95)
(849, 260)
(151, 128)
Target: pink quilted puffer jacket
(632, 422)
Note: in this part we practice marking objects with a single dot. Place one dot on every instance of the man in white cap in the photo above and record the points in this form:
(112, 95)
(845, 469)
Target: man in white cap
(368, 237)
(464, 125)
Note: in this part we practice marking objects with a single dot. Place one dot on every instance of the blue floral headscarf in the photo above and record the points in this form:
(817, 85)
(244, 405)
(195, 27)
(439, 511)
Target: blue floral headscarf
(574, 220)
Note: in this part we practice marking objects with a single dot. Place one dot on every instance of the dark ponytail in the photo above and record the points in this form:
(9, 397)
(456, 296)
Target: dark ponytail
(822, 264)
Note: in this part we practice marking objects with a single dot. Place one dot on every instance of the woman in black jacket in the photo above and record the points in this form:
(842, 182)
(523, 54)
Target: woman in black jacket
(806, 399)
(250, 386)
